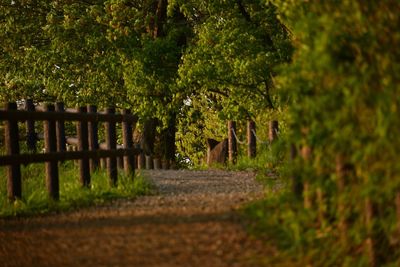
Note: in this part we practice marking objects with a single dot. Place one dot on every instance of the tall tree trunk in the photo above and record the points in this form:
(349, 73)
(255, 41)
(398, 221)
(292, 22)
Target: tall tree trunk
(155, 29)
(161, 15)
(148, 137)
(168, 147)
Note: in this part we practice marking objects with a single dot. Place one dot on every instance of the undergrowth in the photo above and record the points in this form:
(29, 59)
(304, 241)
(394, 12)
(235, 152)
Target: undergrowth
(299, 239)
(35, 198)
(306, 236)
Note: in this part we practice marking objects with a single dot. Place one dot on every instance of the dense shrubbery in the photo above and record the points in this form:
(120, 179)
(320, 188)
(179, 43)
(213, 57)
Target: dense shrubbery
(342, 88)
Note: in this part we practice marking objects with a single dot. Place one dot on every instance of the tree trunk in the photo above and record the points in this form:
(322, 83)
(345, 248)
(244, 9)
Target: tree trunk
(168, 148)
(148, 136)
(161, 15)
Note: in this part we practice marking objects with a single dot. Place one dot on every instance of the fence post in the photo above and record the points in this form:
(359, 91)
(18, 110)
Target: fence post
(120, 162)
(93, 138)
(165, 164)
(50, 142)
(273, 131)
(31, 137)
(83, 145)
(149, 162)
(232, 144)
(251, 139)
(13, 171)
(141, 161)
(157, 163)
(127, 136)
(60, 130)
(103, 163)
(111, 141)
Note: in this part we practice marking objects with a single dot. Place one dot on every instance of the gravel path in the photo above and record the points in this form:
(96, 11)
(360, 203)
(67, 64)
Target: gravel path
(190, 222)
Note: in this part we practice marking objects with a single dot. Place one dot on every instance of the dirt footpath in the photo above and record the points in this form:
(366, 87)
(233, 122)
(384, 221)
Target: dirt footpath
(190, 222)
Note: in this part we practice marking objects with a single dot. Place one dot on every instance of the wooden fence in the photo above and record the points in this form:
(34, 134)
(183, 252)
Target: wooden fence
(251, 139)
(88, 153)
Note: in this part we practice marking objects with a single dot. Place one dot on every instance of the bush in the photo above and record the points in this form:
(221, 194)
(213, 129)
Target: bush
(342, 88)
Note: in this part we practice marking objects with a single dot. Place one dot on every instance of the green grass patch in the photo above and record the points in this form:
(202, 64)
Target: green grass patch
(269, 163)
(35, 198)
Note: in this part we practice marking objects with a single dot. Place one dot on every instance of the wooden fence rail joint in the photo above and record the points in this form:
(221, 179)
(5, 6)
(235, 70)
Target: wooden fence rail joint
(88, 153)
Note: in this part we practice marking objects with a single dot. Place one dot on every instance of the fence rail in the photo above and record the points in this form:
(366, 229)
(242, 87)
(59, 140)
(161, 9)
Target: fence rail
(63, 156)
(251, 139)
(37, 115)
(89, 149)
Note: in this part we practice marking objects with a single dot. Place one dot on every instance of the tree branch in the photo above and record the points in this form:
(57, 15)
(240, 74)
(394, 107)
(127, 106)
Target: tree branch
(243, 11)
(268, 95)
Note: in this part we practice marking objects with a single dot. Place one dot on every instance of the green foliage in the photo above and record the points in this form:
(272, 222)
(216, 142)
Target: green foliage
(35, 199)
(219, 55)
(342, 89)
(228, 68)
(232, 57)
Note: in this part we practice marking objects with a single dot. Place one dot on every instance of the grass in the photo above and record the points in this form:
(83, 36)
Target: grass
(35, 199)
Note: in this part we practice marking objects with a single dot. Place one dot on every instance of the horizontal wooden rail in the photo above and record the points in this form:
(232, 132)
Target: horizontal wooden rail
(86, 141)
(62, 156)
(22, 115)
(74, 142)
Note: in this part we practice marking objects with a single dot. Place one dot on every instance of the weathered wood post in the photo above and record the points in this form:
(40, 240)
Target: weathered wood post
(50, 143)
(141, 161)
(14, 187)
(93, 138)
(232, 143)
(157, 163)
(103, 163)
(127, 136)
(165, 164)
(60, 130)
(251, 139)
(273, 131)
(120, 162)
(149, 162)
(76, 161)
(111, 141)
(31, 137)
(83, 145)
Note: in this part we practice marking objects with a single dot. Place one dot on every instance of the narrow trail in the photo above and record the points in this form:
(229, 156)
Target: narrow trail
(190, 222)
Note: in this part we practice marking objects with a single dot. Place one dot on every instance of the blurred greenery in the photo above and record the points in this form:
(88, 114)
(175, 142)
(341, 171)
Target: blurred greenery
(342, 93)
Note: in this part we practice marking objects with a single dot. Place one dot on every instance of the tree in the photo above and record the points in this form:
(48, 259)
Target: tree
(123, 53)
(21, 40)
(153, 56)
(229, 67)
